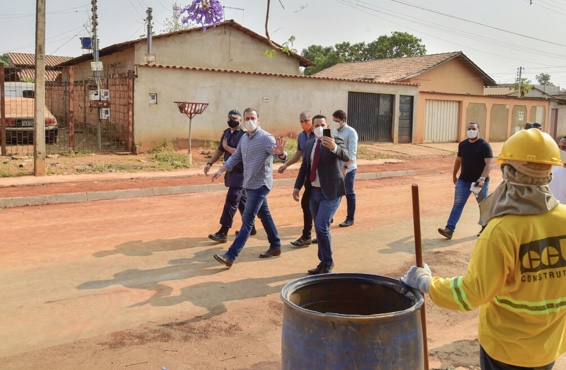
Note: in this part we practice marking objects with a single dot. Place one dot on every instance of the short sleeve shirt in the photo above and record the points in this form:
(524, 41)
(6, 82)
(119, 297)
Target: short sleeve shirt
(473, 158)
(236, 176)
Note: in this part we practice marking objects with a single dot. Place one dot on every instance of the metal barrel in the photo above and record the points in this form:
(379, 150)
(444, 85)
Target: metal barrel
(351, 321)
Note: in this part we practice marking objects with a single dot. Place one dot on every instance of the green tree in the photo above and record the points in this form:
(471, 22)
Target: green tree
(525, 86)
(544, 79)
(399, 44)
(4, 59)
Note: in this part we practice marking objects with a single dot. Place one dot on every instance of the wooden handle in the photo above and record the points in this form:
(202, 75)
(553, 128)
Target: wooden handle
(419, 257)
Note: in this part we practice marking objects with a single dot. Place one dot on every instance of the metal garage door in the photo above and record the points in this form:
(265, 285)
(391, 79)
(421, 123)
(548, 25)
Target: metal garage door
(441, 121)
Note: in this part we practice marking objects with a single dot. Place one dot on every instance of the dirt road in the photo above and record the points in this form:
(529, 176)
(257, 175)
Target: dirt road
(131, 283)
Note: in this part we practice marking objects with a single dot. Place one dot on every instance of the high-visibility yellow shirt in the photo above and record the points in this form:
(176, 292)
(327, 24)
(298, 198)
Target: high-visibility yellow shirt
(517, 276)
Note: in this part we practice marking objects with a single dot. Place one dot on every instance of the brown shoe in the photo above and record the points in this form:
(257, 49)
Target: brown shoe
(445, 233)
(224, 259)
(302, 242)
(271, 252)
(321, 269)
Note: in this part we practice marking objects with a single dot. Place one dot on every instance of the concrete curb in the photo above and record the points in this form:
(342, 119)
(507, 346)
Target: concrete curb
(38, 200)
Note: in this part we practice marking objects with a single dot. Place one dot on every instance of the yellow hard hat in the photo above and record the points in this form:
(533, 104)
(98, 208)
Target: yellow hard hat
(531, 146)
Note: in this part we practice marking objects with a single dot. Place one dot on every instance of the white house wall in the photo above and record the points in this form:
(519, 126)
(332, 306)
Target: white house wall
(278, 99)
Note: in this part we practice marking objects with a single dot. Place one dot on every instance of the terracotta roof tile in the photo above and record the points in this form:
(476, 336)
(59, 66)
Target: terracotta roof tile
(27, 60)
(28, 74)
(164, 66)
(396, 69)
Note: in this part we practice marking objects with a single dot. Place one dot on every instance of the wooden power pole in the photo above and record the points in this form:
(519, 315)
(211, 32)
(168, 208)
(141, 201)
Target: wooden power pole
(39, 126)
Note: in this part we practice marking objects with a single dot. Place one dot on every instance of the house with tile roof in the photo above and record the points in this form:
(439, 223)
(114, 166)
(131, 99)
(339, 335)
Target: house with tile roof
(224, 66)
(451, 94)
(21, 67)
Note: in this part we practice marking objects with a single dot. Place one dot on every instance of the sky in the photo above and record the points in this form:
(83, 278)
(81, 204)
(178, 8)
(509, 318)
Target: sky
(500, 36)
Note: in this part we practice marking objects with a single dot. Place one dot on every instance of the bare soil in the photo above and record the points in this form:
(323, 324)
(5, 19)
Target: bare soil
(131, 284)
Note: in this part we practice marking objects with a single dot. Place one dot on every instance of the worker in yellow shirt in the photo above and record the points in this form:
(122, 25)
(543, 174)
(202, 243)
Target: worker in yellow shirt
(517, 273)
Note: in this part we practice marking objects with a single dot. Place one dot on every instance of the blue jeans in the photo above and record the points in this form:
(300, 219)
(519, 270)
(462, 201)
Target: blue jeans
(487, 363)
(323, 210)
(350, 195)
(256, 204)
(461, 194)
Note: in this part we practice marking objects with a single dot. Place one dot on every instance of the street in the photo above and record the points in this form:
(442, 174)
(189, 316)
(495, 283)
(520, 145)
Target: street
(131, 283)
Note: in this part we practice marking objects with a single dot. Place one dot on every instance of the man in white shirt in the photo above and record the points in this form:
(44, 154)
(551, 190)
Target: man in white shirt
(558, 183)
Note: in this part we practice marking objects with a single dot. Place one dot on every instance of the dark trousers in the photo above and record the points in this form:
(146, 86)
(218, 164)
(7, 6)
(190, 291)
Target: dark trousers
(350, 195)
(487, 363)
(235, 200)
(307, 216)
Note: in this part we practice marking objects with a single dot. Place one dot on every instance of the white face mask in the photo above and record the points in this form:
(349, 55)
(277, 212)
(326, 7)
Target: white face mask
(472, 134)
(563, 156)
(318, 131)
(251, 125)
(335, 125)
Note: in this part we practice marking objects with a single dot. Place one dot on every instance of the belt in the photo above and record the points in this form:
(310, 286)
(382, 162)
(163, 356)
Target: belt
(315, 187)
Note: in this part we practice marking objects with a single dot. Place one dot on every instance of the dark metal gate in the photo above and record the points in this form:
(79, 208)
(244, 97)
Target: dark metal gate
(405, 119)
(371, 115)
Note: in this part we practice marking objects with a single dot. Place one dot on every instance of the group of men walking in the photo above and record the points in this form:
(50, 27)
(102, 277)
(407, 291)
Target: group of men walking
(517, 271)
(327, 173)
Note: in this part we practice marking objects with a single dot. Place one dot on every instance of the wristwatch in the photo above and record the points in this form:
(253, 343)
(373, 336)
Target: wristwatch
(482, 178)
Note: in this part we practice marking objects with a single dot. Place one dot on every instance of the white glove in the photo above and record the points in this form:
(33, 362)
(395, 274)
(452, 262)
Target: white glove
(418, 278)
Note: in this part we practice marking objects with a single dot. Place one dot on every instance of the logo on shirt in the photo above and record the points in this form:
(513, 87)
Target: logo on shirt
(544, 254)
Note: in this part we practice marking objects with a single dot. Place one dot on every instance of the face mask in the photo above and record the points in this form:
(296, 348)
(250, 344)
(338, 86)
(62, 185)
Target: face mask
(251, 125)
(306, 126)
(563, 156)
(472, 134)
(335, 125)
(233, 123)
(318, 131)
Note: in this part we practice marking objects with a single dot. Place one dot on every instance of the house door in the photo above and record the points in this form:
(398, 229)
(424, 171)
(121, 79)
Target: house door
(441, 121)
(405, 119)
(553, 122)
(371, 115)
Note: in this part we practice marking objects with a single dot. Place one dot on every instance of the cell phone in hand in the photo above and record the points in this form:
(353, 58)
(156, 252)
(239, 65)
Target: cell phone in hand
(326, 132)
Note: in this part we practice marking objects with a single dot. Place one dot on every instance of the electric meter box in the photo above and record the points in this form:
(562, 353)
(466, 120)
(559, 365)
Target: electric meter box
(94, 95)
(104, 113)
(104, 94)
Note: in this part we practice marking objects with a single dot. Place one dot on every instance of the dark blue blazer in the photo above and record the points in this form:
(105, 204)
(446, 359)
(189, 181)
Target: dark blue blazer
(329, 171)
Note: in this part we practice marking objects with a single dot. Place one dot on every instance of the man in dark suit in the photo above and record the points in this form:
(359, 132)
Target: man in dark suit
(321, 174)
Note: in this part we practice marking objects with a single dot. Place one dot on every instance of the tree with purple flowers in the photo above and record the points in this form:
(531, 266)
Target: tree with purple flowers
(204, 12)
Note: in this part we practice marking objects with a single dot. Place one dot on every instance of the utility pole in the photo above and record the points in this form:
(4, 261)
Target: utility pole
(149, 29)
(96, 66)
(519, 80)
(39, 126)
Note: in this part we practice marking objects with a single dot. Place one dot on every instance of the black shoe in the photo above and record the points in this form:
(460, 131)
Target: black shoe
(314, 241)
(271, 252)
(321, 269)
(446, 233)
(254, 231)
(224, 259)
(302, 242)
(219, 237)
(347, 223)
